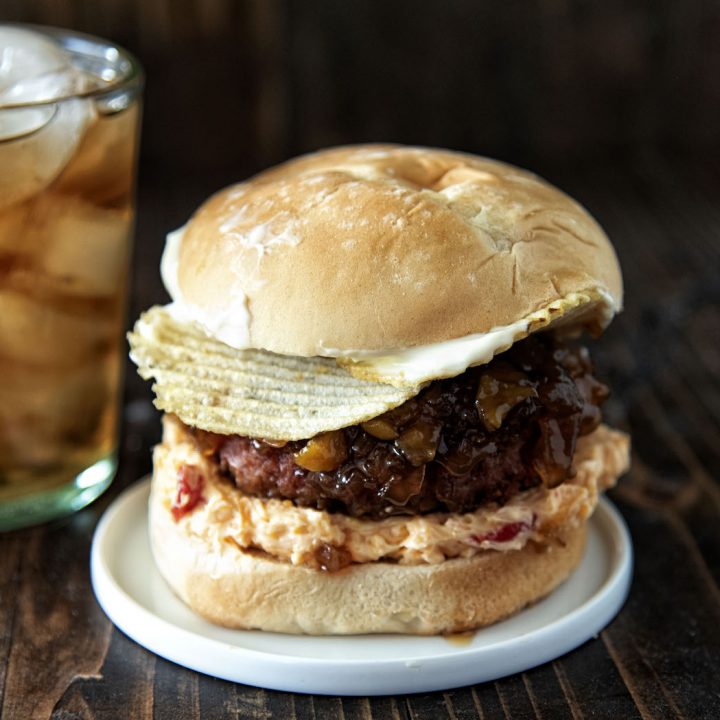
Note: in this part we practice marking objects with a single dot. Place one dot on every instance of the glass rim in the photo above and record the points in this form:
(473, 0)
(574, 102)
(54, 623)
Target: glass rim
(132, 75)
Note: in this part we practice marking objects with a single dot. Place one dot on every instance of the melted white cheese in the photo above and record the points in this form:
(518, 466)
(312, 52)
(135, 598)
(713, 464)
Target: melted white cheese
(439, 360)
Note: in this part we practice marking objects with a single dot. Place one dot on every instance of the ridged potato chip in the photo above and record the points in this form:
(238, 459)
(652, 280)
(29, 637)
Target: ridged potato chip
(212, 386)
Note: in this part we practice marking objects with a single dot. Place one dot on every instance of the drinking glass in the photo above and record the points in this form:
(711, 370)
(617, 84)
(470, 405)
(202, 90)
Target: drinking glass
(69, 132)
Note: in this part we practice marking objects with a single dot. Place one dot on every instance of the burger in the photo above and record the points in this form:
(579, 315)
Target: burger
(378, 416)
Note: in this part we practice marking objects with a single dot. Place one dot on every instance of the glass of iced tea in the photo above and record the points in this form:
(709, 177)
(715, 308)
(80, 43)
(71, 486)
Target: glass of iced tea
(69, 125)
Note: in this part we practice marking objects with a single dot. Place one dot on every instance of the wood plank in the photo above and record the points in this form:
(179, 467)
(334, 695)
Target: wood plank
(547, 695)
(591, 678)
(57, 621)
(567, 689)
(463, 705)
(388, 708)
(427, 706)
(489, 701)
(176, 694)
(217, 698)
(328, 707)
(303, 707)
(272, 112)
(11, 552)
(252, 703)
(667, 605)
(356, 708)
(281, 705)
(514, 697)
(126, 682)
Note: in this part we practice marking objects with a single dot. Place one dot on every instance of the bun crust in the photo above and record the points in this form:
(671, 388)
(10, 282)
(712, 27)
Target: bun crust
(242, 589)
(384, 247)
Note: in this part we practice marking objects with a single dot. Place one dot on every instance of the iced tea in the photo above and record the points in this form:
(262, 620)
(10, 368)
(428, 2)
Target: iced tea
(69, 112)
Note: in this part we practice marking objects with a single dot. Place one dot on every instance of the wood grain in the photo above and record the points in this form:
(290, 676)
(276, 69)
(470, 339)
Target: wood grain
(56, 621)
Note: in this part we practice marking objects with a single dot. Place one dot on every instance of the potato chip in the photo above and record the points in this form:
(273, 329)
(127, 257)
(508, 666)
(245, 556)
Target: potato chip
(210, 385)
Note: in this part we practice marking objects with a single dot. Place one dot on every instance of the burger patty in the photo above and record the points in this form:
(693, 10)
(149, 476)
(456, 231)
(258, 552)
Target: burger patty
(480, 437)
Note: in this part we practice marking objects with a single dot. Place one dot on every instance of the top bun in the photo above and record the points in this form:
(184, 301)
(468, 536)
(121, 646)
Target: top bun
(381, 247)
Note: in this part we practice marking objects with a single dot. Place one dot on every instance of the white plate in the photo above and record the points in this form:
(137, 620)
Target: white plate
(138, 601)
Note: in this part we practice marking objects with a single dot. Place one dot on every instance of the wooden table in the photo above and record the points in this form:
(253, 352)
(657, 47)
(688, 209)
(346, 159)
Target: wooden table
(60, 657)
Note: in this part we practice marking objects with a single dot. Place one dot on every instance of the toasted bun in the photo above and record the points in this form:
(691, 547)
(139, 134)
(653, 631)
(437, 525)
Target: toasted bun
(207, 558)
(385, 247)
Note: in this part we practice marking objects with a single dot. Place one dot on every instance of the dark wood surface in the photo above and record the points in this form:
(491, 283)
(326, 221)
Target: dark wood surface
(660, 658)
(619, 104)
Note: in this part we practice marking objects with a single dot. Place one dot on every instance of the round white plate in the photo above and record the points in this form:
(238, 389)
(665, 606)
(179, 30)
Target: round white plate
(138, 601)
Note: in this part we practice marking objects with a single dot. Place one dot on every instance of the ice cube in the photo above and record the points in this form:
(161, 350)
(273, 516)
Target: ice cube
(30, 163)
(46, 415)
(62, 290)
(36, 142)
(35, 68)
(103, 167)
(47, 331)
(25, 54)
(66, 245)
(13, 239)
(85, 246)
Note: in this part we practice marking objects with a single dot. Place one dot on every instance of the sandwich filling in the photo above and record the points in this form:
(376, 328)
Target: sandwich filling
(502, 455)
(482, 437)
(205, 505)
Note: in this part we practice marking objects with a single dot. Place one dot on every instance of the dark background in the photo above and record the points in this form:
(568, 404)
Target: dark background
(618, 103)
(235, 86)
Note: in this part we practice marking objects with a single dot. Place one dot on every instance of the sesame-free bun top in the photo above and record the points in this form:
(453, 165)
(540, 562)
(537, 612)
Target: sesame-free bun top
(385, 247)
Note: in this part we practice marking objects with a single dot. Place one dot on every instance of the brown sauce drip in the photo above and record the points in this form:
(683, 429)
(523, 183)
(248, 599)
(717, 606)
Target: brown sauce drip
(461, 639)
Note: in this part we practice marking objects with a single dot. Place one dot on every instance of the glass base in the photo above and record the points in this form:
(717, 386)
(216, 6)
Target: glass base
(51, 504)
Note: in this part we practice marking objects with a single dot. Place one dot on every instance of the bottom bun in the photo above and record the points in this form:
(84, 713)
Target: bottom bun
(248, 589)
